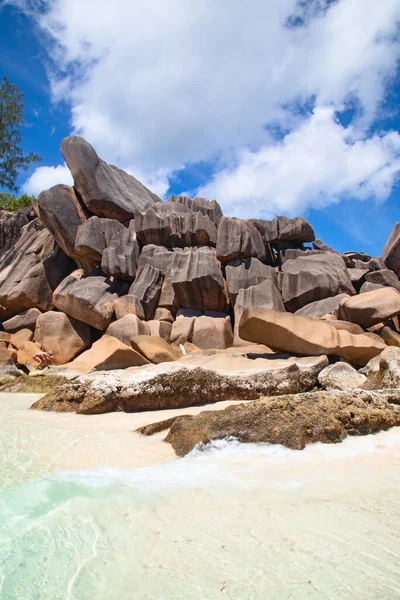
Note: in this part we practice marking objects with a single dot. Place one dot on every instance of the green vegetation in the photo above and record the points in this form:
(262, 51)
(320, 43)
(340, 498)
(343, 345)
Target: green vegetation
(12, 158)
(11, 202)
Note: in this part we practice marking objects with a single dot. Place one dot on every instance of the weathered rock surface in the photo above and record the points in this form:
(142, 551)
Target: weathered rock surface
(128, 327)
(174, 225)
(264, 294)
(383, 371)
(341, 376)
(370, 308)
(319, 308)
(390, 337)
(128, 305)
(239, 239)
(242, 273)
(93, 237)
(18, 339)
(197, 280)
(391, 251)
(147, 289)
(158, 257)
(293, 421)
(64, 336)
(160, 329)
(297, 229)
(25, 320)
(212, 330)
(302, 335)
(120, 258)
(183, 326)
(268, 229)
(7, 366)
(384, 277)
(174, 385)
(107, 354)
(62, 213)
(370, 287)
(11, 224)
(25, 354)
(155, 349)
(105, 190)
(312, 278)
(86, 298)
(209, 208)
(34, 271)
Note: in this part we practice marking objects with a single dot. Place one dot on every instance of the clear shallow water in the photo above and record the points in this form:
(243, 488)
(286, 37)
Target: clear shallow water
(231, 521)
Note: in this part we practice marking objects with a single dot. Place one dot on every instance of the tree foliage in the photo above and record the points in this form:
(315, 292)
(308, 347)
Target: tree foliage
(11, 202)
(12, 158)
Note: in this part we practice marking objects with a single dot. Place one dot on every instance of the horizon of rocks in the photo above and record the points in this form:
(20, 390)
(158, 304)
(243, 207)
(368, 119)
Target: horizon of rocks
(107, 258)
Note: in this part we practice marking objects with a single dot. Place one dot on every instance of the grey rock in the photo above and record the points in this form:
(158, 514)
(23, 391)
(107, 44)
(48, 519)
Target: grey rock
(308, 279)
(128, 327)
(94, 236)
(391, 251)
(120, 258)
(87, 298)
(295, 229)
(384, 277)
(265, 294)
(246, 272)
(128, 305)
(25, 320)
(147, 288)
(11, 224)
(239, 239)
(209, 208)
(197, 280)
(173, 225)
(158, 257)
(105, 190)
(319, 308)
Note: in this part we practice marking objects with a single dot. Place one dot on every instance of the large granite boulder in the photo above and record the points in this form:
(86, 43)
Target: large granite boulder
(183, 326)
(11, 224)
(120, 258)
(239, 239)
(305, 280)
(383, 371)
(391, 251)
(25, 320)
(209, 208)
(268, 229)
(297, 229)
(28, 281)
(94, 236)
(107, 354)
(384, 277)
(197, 280)
(128, 327)
(305, 336)
(174, 225)
(87, 298)
(212, 330)
(158, 257)
(320, 308)
(265, 294)
(105, 190)
(292, 421)
(242, 273)
(62, 212)
(155, 349)
(175, 385)
(147, 289)
(370, 287)
(128, 305)
(370, 308)
(341, 376)
(62, 335)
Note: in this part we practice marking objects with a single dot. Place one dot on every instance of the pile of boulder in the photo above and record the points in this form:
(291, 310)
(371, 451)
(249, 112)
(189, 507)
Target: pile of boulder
(153, 304)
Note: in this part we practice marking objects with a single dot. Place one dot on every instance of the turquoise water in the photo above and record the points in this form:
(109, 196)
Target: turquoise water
(230, 521)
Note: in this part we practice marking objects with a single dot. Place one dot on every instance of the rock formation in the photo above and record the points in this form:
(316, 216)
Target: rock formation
(107, 276)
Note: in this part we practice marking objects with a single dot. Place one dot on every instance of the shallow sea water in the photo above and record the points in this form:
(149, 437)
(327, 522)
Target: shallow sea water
(89, 510)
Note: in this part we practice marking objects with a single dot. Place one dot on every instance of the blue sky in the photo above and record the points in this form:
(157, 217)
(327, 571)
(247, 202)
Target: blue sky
(272, 107)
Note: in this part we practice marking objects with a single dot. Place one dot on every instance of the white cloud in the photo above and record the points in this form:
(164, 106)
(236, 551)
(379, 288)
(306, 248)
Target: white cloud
(45, 177)
(311, 167)
(156, 84)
